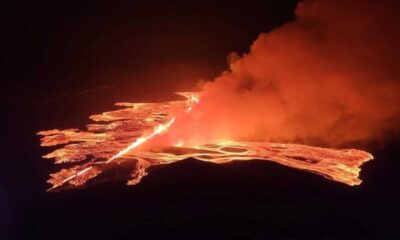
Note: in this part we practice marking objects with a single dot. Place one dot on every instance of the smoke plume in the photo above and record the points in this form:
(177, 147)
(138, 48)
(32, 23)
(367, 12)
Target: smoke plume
(330, 76)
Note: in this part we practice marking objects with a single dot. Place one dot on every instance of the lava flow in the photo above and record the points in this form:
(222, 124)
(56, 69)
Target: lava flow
(117, 137)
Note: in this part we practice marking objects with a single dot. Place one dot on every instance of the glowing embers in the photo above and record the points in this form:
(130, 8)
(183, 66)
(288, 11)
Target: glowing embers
(117, 135)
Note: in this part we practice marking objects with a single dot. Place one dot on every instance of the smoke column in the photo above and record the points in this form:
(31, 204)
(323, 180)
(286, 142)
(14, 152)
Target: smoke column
(331, 76)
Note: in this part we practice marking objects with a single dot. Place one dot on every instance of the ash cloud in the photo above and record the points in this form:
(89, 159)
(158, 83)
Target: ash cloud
(330, 76)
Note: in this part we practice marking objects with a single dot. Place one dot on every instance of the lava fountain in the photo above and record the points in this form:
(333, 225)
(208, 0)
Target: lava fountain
(130, 134)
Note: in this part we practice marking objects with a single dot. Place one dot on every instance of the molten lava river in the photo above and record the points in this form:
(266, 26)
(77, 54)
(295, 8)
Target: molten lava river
(118, 136)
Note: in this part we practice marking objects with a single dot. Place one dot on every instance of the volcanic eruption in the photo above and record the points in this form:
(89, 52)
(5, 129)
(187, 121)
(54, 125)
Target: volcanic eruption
(325, 78)
(120, 138)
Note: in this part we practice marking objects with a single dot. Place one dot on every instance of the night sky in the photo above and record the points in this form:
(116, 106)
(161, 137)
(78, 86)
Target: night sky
(62, 61)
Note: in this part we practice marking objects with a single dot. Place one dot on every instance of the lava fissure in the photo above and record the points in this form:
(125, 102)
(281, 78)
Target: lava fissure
(119, 135)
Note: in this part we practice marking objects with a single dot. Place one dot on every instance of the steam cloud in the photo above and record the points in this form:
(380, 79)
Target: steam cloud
(331, 76)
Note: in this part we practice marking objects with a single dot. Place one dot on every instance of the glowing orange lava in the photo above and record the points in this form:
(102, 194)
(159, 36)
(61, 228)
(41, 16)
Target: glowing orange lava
(118, 136)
